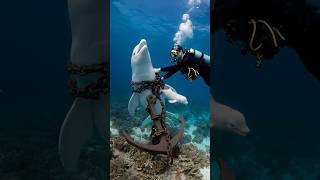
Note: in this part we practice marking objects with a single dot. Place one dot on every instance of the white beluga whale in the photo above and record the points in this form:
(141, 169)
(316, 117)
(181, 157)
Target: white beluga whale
(145, 82)
(173, 97)
(142, 70)
(141, 65)
(88, 47)
(227, 119)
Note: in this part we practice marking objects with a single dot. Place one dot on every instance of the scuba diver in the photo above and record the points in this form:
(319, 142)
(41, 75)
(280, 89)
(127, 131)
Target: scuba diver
(189, 62)
(264, 26)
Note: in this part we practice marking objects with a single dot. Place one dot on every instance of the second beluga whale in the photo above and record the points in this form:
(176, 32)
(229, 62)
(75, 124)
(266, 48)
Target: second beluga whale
(142, 70)
(227, 119)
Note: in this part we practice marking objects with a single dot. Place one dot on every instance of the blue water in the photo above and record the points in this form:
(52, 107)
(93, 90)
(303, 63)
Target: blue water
(281, 104)
(157, 22)
(280, 101)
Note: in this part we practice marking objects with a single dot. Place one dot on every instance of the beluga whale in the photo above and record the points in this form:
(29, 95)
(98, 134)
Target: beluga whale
(89, 53)
(143, 71)
(149, 92)
(227, 119)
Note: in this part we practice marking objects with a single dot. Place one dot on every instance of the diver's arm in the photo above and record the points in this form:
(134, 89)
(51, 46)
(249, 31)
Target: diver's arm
(171, 70)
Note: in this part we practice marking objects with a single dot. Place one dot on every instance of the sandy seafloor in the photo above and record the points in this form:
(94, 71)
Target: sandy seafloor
(127, 162)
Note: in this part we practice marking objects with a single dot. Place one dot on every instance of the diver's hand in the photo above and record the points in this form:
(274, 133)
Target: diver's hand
(157, 70)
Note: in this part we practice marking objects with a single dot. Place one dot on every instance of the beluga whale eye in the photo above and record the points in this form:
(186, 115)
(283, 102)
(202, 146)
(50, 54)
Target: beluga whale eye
(231, 125)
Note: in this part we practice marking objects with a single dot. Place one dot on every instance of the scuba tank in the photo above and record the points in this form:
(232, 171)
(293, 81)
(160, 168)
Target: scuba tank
(200, 55)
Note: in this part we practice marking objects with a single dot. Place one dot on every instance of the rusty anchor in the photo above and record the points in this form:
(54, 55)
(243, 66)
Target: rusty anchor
(162, 142)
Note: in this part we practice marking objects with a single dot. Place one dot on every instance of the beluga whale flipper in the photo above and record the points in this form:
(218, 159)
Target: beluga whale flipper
(173, 97)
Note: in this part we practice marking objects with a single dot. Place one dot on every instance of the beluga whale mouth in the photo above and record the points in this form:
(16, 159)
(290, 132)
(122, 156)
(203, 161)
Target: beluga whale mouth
(140, 54)
(142, 46)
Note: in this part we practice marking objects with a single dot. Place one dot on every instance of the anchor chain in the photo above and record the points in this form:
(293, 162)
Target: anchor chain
(93, 90)
(155, 86)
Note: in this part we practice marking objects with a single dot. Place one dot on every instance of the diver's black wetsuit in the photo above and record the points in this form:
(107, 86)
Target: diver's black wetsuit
(297, 20)
(189, 61)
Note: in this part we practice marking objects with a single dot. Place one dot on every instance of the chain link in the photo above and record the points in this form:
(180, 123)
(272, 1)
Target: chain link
(87, 69)
(95, 89)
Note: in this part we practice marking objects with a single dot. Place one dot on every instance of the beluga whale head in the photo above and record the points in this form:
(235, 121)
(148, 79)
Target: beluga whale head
(228, 119)
(142, 69)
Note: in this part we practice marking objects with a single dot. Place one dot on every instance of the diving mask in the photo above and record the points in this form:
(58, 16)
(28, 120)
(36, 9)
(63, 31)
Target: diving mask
(174, 55)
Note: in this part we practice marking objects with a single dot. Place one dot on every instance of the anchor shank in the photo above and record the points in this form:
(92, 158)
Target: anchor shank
(157, 124)
(151, 108)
